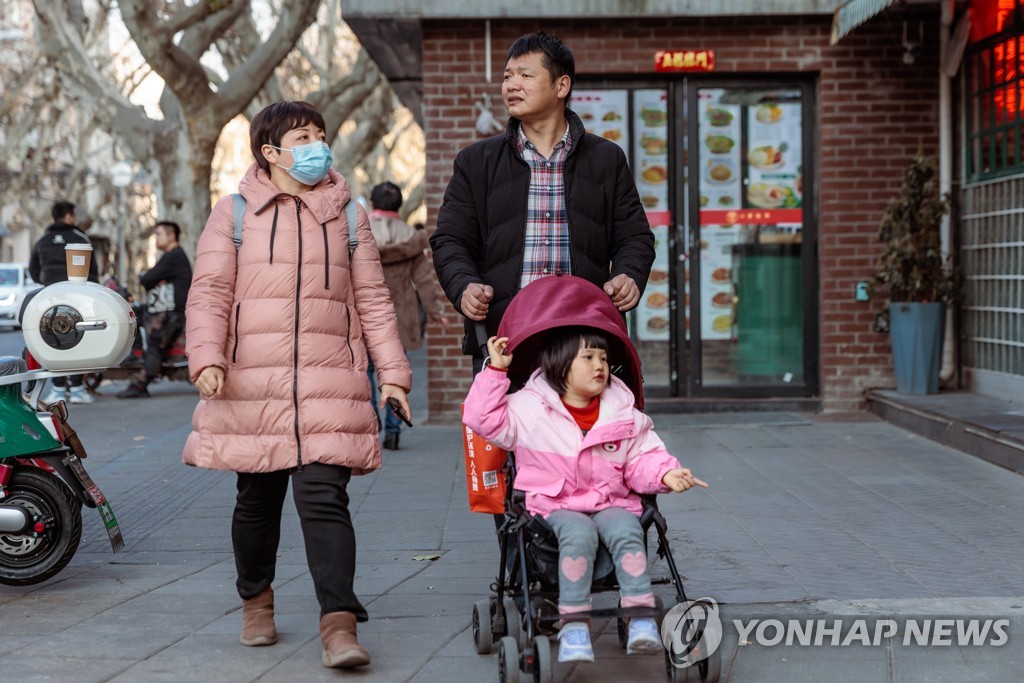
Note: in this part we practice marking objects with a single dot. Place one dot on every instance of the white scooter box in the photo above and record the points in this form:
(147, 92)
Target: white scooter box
(78, 326)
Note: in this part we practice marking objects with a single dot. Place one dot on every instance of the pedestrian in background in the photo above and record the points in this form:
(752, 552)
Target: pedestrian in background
(278, 334)
(167, 284)
(410, 280)
(48, 265)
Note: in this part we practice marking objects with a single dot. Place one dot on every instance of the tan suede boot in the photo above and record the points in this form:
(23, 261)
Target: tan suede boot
(341, 649)
(258, 619)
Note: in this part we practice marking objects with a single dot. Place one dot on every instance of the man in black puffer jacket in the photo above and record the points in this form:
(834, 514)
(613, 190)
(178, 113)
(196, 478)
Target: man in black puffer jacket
(48, 265)
(544, 198)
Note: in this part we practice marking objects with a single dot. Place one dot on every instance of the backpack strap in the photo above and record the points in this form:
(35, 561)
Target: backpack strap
(352, 216)
(238, 209)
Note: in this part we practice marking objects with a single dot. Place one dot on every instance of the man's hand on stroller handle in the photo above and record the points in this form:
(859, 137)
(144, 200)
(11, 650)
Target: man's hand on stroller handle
(476, 300)
(623, 291)
(496, 347)
(681, 479)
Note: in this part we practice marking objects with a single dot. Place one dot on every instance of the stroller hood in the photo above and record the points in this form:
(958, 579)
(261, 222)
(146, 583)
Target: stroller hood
(568, 301)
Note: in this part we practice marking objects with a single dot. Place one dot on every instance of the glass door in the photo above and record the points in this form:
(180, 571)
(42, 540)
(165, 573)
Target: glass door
(752, 311)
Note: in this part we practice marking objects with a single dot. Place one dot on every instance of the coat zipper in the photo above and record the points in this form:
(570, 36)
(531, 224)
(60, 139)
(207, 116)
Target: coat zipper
(234, 351)
(273, 235)
(327, 259)
(348, 334)
(295, 344)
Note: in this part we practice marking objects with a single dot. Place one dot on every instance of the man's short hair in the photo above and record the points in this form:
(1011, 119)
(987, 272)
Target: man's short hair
(62, 209)
(387, 197)
(173, 226)
(558, 59)
(270, 125)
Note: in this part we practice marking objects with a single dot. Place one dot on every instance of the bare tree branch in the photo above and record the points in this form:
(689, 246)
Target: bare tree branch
(65, 49)
(293, 19)
(180, 70)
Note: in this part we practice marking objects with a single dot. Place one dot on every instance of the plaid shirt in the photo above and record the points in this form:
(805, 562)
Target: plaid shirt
(546, 249)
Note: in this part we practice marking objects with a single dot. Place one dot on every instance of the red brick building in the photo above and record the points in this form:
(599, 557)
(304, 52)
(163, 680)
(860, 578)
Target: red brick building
(765, 176)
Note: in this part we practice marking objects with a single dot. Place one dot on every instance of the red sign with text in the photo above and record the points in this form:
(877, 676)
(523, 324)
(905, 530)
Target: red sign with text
(684, 60)
(751, 216)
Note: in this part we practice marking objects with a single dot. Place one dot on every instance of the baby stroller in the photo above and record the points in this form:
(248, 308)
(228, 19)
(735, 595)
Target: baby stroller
(523, 611)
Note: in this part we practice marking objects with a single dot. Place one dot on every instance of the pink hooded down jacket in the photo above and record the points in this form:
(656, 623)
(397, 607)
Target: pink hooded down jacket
(286, 317)
(556, 465)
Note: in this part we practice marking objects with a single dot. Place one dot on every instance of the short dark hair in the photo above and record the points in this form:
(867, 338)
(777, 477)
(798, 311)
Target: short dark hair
(558, 59)
(270, 125)
(560, 349)
(173, 226)
(387, 196)
(61, 209)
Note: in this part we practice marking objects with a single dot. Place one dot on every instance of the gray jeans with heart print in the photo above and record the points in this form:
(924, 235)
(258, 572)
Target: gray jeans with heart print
(578, 537)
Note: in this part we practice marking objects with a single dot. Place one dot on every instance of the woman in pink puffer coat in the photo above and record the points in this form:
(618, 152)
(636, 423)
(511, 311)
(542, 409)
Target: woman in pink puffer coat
(278, 334)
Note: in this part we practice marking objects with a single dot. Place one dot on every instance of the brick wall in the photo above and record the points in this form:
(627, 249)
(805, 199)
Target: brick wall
(873, 114)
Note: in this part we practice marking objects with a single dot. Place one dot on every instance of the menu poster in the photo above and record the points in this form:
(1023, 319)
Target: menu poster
(650, 112)
(603, 113)
(716, 280)
(652, 314)
(721, 189)
(720, 174)
(774, 156)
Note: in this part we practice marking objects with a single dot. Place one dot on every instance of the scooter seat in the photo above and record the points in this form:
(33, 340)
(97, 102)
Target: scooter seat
(12, 365)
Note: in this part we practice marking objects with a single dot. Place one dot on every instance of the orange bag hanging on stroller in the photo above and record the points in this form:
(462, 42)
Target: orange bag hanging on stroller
(485, 480)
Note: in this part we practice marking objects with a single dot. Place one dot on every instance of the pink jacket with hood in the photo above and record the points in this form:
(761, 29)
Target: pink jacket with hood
(556, 465)
(290, 320)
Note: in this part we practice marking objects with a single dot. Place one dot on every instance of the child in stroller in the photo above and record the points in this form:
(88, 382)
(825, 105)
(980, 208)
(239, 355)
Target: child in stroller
(583, 453)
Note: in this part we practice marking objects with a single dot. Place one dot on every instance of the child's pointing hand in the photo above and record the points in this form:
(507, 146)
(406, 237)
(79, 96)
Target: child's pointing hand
(681, 479)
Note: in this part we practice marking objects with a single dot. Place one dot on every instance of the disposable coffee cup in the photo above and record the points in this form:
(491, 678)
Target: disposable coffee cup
(78, 258)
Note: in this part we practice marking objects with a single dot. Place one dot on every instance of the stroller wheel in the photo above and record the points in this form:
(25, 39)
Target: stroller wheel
(707, 670)
(483, 634)
(541, 660)
(508, 660)
(621, 630)
(545, 616)
(513, 621)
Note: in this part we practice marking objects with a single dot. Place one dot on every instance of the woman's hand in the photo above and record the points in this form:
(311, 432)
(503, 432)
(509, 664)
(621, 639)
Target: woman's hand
(210, 381)
(681, 479)
(394, 391)
(496, 348)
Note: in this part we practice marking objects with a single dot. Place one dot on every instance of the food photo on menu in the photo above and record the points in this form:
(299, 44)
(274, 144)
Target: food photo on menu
(650, 121)
(774, 157)
(603, 113)
(653, 314)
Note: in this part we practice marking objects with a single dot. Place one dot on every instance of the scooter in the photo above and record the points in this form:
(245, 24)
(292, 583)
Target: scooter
(69, 328)
(43, 481)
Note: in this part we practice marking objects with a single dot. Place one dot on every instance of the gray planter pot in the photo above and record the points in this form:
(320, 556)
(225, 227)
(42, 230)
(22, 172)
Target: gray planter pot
(917, 331)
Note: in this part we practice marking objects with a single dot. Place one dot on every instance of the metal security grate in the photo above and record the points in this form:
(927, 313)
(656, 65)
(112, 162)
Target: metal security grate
(992, 237)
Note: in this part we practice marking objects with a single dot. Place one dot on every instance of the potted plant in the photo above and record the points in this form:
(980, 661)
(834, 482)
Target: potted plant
(917, 279)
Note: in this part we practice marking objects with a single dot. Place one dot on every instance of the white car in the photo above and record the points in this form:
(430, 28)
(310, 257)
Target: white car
(15, 282)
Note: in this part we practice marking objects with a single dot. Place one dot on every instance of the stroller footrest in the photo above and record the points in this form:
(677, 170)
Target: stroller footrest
(623, 612)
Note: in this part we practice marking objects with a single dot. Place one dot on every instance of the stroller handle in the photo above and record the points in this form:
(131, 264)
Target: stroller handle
(481, 337)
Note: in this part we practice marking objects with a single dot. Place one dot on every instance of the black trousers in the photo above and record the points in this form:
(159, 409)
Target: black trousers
(321, 499)
(162, 329)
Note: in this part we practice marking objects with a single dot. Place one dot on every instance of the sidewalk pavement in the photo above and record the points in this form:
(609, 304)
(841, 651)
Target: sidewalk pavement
(807, 517)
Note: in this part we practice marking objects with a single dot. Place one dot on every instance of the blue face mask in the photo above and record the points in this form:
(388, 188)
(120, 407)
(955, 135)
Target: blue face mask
(310, 162)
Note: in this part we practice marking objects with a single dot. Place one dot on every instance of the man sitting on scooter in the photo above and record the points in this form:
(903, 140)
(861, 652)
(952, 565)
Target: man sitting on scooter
(166, 286)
